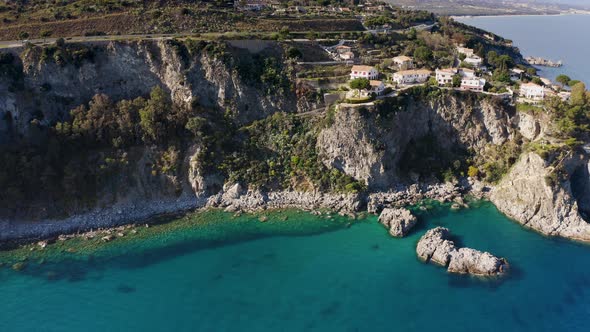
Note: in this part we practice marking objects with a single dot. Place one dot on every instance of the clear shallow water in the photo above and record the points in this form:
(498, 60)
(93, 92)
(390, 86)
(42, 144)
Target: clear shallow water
(564, 37)
(302, 274)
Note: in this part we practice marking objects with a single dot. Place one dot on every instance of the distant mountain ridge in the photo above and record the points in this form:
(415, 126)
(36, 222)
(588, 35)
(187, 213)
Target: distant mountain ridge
(496, 7)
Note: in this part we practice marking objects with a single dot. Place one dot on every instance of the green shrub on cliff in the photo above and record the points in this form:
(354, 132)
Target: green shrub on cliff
(279, 152)
(571, 119)
(102, 141)
(495, 160)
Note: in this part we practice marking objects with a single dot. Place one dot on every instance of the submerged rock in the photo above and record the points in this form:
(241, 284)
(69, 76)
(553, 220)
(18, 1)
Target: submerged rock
(437, 247)
(19, 266)
(398, 221)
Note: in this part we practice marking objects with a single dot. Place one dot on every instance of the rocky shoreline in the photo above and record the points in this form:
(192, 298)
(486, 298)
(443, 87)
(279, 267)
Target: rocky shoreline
(238, 198)
(233, 198)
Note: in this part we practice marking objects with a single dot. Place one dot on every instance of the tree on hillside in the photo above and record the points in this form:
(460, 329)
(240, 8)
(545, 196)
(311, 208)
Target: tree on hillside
(579, 96)
(284, 32)
(492, 58)
(23, 35)
(152, 115)
(504, 62)
(573, 82)
(563, 80)
(537, 81)
(423, 54)
(456, 81)
(46, 34)
(531, 71)
(294, 53)
(360, 83)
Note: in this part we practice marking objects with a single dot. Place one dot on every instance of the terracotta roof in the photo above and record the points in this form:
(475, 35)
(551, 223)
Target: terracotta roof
(402, 58)
(530, 85)
(448, 70)
(375, 82)
(414, 72)
(362, 68)
(464, 49)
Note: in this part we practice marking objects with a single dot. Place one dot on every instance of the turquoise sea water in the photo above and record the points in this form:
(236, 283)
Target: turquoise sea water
(303, 274)
(563, 37)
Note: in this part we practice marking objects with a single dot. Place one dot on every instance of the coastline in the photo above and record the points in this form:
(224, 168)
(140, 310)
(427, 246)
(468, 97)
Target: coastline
(586, 13)
(236, 199)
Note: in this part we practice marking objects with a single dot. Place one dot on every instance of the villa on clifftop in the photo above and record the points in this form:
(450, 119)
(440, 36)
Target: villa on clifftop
(368, 72)
(475, 84)
(411, 76)
(403, 62)
(532, 91)
(445, 76)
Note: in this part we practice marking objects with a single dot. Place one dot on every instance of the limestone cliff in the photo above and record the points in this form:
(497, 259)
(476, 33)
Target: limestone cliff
(527, 195)
(369, 143)
(126, 70)
(408, 139)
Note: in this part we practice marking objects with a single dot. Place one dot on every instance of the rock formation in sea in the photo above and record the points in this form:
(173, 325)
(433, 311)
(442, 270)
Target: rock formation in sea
(436, 246)
(398, 221)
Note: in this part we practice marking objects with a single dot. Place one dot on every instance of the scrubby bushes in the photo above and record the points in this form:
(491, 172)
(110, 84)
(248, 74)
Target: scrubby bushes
(79, 157)
(280, 153)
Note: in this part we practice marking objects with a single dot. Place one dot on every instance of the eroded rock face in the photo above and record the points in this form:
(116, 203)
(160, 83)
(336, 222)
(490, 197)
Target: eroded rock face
(437, 247)
(467, 260)
(527, 195)
(127, 70)
(398, 221)
(528, 125)
(369, 146)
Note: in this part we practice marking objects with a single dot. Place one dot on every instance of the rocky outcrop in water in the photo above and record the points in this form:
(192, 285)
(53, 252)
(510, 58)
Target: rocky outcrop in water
(398, 221)
(437, 247)
(528, 195)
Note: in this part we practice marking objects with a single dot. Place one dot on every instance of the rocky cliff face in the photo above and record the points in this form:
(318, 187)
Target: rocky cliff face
(126, 70)
(364, 143)
(527, 195)
(57, 79)
(381, 145)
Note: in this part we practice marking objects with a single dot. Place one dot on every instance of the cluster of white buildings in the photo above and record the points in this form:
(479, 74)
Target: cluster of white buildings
(469, 81)
(411, 76)
(406, 74)
(470, 57)
(372, 74)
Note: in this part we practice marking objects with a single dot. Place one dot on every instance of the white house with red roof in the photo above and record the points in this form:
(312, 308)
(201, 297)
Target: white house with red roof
(411, 76)
(368, 72)
(473, 84)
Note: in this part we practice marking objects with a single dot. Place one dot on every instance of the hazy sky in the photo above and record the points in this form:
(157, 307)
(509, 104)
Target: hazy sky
(570, 2)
